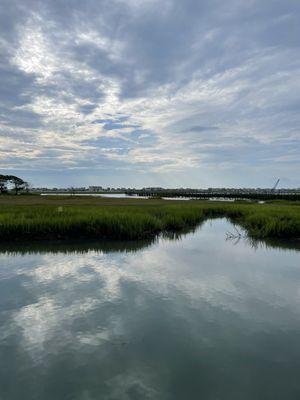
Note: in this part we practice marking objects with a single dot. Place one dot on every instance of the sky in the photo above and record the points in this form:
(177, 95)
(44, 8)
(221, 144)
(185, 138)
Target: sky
(173, 93)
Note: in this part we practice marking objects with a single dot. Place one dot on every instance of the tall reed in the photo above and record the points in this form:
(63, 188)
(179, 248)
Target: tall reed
(18, 222)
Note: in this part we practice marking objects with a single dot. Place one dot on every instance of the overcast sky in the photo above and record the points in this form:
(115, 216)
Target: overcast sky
(150, 92)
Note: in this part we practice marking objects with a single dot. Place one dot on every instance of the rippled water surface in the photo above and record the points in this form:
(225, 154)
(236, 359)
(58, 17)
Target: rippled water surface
(195, 318)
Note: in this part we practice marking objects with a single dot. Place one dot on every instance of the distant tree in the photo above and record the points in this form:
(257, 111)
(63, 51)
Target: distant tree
(3, 184)
(18, 183)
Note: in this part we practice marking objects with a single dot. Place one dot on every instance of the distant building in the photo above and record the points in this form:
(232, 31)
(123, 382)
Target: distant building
(95, 188)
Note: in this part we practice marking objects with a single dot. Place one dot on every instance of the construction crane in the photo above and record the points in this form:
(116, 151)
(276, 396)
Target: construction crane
(275, 186)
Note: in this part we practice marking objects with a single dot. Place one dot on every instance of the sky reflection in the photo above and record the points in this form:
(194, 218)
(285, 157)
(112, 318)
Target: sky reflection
(116, 320)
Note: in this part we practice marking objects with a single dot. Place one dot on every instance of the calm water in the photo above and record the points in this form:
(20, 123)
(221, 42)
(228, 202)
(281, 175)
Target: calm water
(196, 318)
(108, 195)
(133, 196)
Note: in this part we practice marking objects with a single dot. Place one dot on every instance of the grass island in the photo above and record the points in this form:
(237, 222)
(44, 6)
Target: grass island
(33, 217)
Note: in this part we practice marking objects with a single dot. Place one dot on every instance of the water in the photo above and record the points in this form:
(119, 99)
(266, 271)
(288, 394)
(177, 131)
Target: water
(113, 196)
(135, 196)
(195, 318)
(106, 195)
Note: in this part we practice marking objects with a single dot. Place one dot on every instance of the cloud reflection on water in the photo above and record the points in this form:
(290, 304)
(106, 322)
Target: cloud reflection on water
(200, 290)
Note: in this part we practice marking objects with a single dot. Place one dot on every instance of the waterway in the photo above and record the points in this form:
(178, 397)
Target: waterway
(135, 196)
(192, 317)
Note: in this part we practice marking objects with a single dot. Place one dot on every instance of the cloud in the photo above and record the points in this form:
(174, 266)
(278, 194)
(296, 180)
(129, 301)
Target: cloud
(156, 88)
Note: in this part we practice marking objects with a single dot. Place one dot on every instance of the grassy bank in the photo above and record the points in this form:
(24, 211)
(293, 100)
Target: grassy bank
(35, 217)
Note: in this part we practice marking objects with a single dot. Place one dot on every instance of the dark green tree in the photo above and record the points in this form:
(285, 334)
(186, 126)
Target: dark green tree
(18, 183)
(3, 184)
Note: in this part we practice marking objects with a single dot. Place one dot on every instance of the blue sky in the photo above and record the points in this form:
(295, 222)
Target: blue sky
(194, 93)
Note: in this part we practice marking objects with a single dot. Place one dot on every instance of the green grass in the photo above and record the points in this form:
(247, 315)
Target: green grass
(35, 217)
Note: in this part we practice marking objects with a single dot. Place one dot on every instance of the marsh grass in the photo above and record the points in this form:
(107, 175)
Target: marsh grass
(126, 220)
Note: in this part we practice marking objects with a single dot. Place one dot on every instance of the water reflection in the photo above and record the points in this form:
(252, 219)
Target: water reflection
(197, 317)
(111, 246)
(82, 246)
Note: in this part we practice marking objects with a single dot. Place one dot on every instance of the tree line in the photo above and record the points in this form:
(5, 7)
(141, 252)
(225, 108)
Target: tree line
(17, 183)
